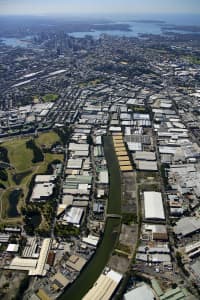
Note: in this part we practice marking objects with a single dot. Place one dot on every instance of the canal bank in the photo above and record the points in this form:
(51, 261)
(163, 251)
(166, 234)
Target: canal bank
(111, 233)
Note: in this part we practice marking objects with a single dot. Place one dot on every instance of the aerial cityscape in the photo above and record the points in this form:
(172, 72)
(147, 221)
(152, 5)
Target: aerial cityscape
(99, 150)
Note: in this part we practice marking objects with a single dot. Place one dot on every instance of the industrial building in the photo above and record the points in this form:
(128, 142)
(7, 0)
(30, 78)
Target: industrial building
(121, 153)
(142, 292)
(34, 266)
(153, 206)
(187, 226)
(12, 248)
(91, 240)
(144, 155)
(154, 232)
(74, 215)
(74, 163)
(45, 178)
(59, 280)
(146, 165)
(42, 191)
(103, 177)
(193, 250)
(104, 287)
(76, 262)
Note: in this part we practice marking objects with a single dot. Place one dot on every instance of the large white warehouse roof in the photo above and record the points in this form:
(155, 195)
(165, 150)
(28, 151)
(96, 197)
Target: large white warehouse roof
(153, 206)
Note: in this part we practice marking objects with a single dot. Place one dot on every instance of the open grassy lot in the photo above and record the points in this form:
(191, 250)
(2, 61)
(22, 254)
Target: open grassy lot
(48, 158)
(23, 169)
(20, 157)
(47, 139)
(50, 97)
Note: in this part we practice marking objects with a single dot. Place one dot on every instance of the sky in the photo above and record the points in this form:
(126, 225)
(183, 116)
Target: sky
(40, 7)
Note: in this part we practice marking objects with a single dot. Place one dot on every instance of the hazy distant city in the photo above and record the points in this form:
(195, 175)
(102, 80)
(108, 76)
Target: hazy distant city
(100, 150)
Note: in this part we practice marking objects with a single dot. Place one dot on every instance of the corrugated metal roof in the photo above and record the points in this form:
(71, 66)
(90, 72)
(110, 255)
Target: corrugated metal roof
(153, 205)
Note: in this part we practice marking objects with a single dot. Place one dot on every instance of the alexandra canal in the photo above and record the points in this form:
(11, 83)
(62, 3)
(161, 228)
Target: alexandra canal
(111, 233)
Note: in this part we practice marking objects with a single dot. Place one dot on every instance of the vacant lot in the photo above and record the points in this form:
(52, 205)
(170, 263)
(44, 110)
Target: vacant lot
(119, 263)
(129, 193)
(47, 139)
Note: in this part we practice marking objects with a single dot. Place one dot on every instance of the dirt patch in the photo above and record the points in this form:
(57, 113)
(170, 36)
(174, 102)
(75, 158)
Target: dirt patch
(128, 235)
(119, 264)
(129, 196)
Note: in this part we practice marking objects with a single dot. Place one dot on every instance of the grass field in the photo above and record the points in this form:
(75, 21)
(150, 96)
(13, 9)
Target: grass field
(20, 157)
(21, 160)
(50, 97)
(47, 139)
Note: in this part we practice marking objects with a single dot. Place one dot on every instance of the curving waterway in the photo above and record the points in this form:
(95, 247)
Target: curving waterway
(96, 265)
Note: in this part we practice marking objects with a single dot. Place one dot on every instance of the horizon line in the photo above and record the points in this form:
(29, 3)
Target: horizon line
(98, 14)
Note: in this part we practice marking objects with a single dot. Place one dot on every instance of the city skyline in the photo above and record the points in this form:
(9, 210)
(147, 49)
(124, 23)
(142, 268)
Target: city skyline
(36, 7)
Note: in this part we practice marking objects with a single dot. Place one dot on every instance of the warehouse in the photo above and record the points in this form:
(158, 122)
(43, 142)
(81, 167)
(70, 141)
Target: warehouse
(76, 262)
(103, 177)
(30, 249)
(74, 163)
(118, 138)
(75, 191)
(143, 292)
(12, 248)
(80, 147)
(126, 168)
(23, 264)
(153, 206)
(138, 116)
(124, 163)
(80, 153)
(154, 258)
(195, 269)
(122, 158)
(144, 155)
(154, 232)
(45, 178)
(146, 165)
(134, 146)
(187, 226)
(193, 250)
(120, 148)
(121, 153)
(36, 267)
(91, 240)
(114, 129)
(60, 280)
(42, 191)
(118, 144)
(104, 287)
(4, 238)
(74, 215)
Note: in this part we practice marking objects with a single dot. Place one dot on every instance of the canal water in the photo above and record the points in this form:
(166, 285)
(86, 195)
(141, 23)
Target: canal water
(110, 237)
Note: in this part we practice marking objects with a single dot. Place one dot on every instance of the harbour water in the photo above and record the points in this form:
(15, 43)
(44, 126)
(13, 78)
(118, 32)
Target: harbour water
(139, 25)
(15, 42)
